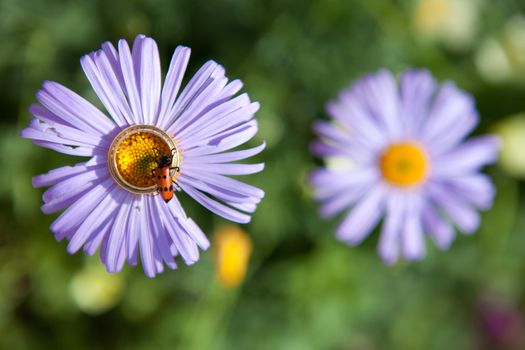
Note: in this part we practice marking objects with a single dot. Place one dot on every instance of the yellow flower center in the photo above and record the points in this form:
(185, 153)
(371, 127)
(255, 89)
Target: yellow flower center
(133, 157)
(404, 164)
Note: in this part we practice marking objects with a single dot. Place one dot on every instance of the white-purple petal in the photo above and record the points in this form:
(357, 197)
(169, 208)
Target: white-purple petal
(134, 229)
(225, 168)
(229, 184)
(223, 117)
(113, 58)
(217, 191)
(380, 96)
(72, 150)
(477, 189)
(191, 228)
(417, 90)
(390, 238)
(146, 243)
(197, 84)
(468, 157)
(60, 132)
(224, 141)
(56, 175)
(343, 199)
(197, 109)
(117, 236)
(456, 208)
(171, 87)
(150, 80)
(435, 225)
(65, 186)
(216, 207)
(330, 182)
(130, 80)
(103, 211)
(229, 90)
(413, 243)
(349, 111)
(185, 246)
(363, 217)
(227, 156)
(116, 96)
(448, 109)
(160, 234)
(103, 86)
(96, 239)
(69, 106)
(77, 212)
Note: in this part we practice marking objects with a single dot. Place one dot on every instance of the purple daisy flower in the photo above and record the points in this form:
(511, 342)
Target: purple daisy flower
(108, 199)
(409, 163)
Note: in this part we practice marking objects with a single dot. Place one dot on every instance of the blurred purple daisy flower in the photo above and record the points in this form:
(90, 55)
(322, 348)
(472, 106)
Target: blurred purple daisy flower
(108, 200)
(409, 163)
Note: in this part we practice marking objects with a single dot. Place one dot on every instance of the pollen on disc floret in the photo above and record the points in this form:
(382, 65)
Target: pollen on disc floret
(137, 157)
(134, 155)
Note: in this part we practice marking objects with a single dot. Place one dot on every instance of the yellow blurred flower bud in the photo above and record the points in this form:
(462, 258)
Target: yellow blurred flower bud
(232, 248)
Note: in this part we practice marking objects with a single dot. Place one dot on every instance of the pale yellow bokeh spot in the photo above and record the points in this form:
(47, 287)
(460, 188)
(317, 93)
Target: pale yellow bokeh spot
(511, 130)
(233, 248)
(94, 290)
(430, 15)
(501, 57)
(452, 22)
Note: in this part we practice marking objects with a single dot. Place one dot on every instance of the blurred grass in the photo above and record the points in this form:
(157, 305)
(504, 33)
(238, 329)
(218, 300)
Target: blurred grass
(304, 290)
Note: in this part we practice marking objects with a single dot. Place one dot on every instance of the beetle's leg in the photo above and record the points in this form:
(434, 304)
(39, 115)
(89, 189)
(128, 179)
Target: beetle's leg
(176, 168)
(176, 187)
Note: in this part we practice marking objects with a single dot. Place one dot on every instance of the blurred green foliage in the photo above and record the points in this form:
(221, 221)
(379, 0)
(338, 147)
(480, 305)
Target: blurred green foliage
(304, 290)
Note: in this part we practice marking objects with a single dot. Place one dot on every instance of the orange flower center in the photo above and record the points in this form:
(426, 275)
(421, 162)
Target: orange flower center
(404, 164)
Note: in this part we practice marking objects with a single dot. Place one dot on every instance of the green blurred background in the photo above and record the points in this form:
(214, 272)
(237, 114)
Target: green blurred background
(303, 289)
